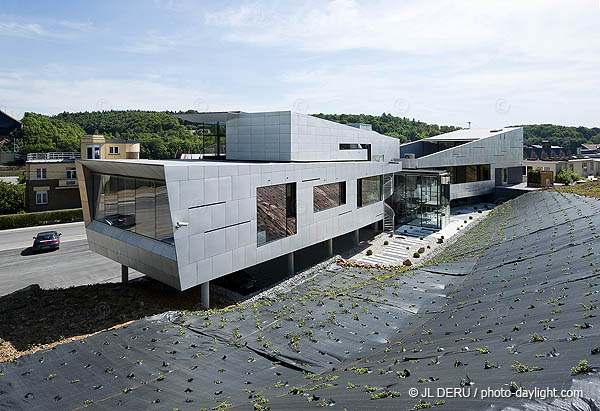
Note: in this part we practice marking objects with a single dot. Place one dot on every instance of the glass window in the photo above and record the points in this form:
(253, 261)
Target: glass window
(111, 201)
(328, 196)
(126, 203)
(134, 204)
(368, 190)
(275, 212)
(71, 173)
(41, 173)
(41, 197)
(145, 207)
(164, 227)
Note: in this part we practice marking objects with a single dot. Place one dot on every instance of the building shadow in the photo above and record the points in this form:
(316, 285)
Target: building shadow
(35, 316)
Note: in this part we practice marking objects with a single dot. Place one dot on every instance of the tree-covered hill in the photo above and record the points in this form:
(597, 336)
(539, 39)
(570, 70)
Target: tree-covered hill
(400, 127)
(42, 134)
(160, 135)
(163, 136)
(559, 135)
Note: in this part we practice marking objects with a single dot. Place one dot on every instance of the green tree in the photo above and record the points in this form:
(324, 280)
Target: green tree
(12, 198)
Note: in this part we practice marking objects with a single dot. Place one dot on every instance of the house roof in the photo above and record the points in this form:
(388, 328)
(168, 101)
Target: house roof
(8, 123)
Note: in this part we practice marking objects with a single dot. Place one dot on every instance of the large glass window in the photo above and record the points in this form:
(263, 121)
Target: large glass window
(134, 204)
(328, 196)
(421, 199)
(275, 212)
(469, 174)
(368, 190)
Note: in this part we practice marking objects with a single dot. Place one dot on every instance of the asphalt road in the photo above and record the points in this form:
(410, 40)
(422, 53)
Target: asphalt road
(71, 265)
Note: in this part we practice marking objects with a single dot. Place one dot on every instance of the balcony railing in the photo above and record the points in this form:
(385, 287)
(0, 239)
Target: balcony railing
(53, 156)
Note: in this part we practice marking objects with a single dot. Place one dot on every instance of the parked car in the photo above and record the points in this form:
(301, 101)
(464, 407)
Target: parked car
(240, 282)
(48, 240)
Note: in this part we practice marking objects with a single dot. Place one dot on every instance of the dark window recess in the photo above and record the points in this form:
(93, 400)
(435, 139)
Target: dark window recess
(328, 196)
(368, 190)
(348, 146)
(469, 174)
(275, 212)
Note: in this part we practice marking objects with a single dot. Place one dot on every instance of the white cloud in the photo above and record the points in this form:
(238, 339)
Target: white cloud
(11, 27)
(533, 27)
(8, 28)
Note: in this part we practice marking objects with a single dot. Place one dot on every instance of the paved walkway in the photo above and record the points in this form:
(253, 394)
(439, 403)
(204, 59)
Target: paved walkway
(398, 250)
(409, 239)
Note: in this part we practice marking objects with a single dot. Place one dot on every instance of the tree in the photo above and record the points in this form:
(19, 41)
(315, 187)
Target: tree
(12, 198)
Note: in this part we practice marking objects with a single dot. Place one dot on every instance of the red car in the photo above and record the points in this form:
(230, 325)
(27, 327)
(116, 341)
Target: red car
(49, 240)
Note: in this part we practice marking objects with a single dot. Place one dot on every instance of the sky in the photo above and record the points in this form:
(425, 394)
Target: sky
(492, 63)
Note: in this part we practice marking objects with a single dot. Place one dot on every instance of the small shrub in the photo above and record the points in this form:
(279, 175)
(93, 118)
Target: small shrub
(386, 242)
(567, 177)
(369, 252)
(416, 255)
(581, 368)
(536, 338)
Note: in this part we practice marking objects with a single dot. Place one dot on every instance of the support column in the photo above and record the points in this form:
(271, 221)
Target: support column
(291, 263)
(374, 226)
(356, 236)
(330, 247)
(205, 295)
(124, 274)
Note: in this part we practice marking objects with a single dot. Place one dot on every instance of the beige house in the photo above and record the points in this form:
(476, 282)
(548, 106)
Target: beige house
(585, 167)
(95, 147)
(51, 178)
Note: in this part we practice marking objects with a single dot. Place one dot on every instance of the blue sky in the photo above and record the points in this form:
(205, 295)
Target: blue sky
(494, 63)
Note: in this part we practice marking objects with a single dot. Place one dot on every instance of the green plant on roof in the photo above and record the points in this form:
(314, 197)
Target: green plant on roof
(422, 405)
(534, 338)
(581, 368)
(384, 394)
(522, 368)
(484, 350)
(369, 252)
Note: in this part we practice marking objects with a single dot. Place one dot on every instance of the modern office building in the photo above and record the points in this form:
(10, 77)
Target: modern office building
(288, 181)
(51, 178)
(476, 159)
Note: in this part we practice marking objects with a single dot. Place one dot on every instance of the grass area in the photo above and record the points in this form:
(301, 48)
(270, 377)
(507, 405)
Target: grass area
(40, 319)
(589, 189)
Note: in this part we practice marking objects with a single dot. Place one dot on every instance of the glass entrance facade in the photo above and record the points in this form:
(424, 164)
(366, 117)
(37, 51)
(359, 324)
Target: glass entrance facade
(421, 199)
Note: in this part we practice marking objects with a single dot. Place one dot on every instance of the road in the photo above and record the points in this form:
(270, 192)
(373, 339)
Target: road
(73, 264)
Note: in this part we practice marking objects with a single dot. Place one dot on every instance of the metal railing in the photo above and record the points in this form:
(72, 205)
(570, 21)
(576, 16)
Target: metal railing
(389, 216)
(54, 156)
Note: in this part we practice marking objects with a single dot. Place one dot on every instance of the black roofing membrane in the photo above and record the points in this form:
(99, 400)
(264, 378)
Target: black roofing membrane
(519, 289)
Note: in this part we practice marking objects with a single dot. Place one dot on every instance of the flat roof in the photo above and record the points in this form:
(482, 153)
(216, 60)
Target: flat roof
(469, 134)
(53, 160)
(209, 163)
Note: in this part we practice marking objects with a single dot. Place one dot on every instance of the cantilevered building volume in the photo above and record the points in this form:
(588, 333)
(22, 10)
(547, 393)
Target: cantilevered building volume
(280, 182)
